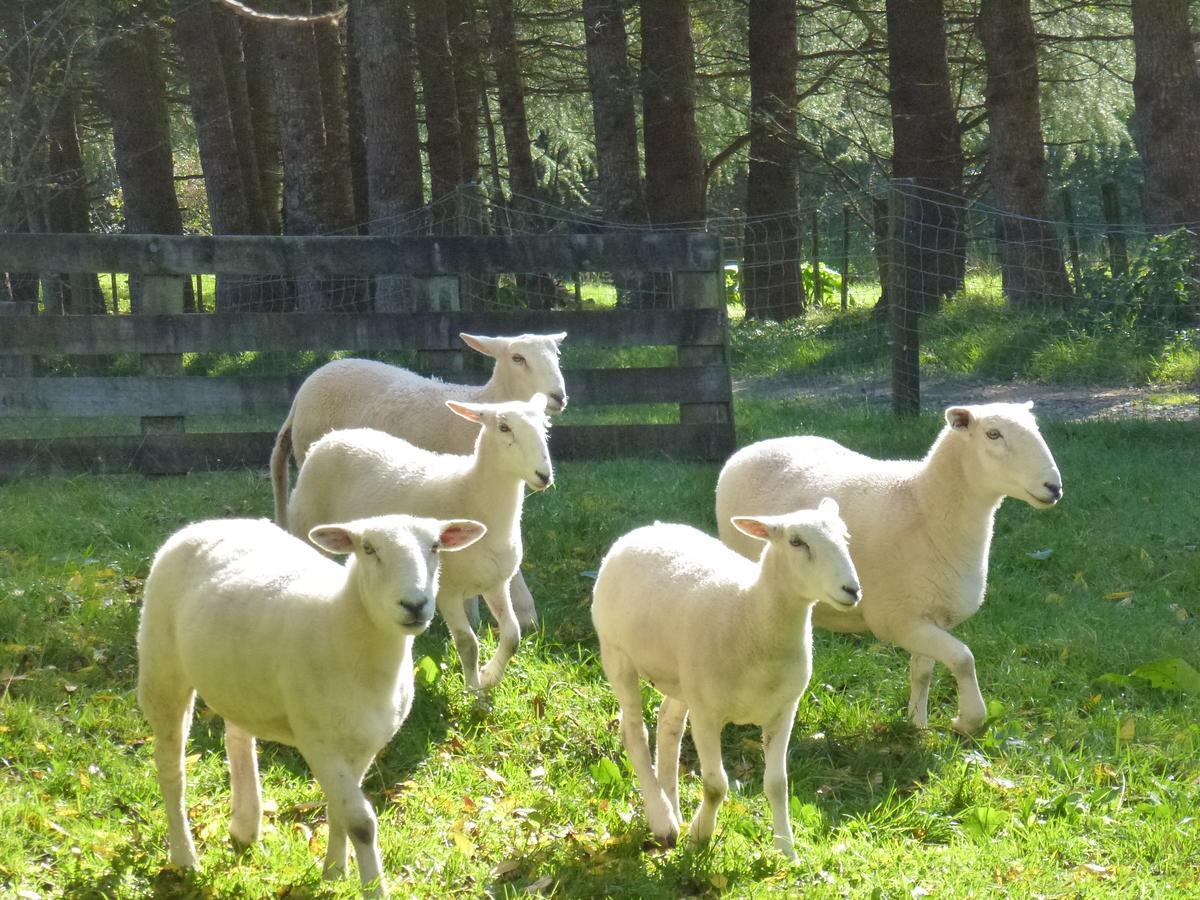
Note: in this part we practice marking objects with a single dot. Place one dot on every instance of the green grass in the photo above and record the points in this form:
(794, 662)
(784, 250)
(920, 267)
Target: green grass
(1079, 786)
(975, 334)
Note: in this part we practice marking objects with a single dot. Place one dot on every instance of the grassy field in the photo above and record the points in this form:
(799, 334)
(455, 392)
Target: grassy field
(1085, 782)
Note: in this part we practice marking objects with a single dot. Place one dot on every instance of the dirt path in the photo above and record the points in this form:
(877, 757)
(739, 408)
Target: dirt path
(1072, 403)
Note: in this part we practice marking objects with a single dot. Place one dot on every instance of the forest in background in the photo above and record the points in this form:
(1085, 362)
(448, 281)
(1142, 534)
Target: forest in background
(460, 116)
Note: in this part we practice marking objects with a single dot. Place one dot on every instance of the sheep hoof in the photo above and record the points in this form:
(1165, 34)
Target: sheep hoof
(967, 726)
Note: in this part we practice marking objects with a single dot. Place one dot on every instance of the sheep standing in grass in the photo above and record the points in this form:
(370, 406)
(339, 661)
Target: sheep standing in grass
(724, 639)
(288, 646)
(922, 529)
(361, 393)
(361, 471)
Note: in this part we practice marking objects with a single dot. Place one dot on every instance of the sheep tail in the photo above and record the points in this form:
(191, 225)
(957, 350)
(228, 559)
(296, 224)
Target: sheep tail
(279, 470)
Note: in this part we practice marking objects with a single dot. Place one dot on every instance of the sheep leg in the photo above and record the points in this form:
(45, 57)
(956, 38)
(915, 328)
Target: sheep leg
(775, 781)
(170, 719)
(672, 717)
(706, 733)
(623, 677)
(245, 793)
(522, 601)
(340, 779)
(500, 603)
(920, 676)
(454, 611)
(926, 639)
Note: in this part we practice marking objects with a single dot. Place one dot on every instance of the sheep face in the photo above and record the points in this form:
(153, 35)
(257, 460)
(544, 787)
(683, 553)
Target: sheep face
(395, 563)
(812, 547)
(517, 432)
(526, 365)
(1011, 455)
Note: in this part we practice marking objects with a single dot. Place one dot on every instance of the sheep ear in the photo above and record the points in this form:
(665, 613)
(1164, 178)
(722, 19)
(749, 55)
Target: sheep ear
(829, 506)
(1028, 404)
(334, 538)
(488, 346)
(468, 411)
(958, 417)
(558, 338)
(755, 528)
(459, 533)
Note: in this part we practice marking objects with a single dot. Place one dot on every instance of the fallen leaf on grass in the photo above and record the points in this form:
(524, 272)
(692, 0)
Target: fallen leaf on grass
(506, 867)
(1181, 614)
(495, 776)
(719, 881)
(1170, 674)
(1044, 553)
(1093, 870)
(1118, 595)
(462, 843)
(542, 884)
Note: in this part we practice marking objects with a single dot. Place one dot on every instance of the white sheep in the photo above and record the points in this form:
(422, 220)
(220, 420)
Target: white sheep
(724, 640)
(361, 471)
(362, 393)
(288, 646)
(922, 529)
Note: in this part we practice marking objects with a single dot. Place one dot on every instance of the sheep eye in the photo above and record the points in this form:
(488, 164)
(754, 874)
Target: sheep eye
(436, 547)
(993, 434)
(368, 549)
(797, 542)
(518, 359)
(504, 428)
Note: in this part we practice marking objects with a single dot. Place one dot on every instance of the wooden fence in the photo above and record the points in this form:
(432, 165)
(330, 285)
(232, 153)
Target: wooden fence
(163, 397)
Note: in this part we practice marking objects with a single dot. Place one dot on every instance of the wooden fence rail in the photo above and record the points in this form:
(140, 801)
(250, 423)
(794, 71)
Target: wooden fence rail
(162, 397)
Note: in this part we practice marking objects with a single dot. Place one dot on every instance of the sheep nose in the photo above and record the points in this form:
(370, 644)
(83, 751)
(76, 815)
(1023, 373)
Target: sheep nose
(1054, 489)
(416, 607)
(544, 478)
(560, 398)
(852, 592)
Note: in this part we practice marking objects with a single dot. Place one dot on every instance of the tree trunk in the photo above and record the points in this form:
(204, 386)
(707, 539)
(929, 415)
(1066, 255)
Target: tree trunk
(441, 111)
(674, 163)
(613, 113)
(220, 157)
(772, 286)
(522, 175)
(357, 127)
(312, 203)
(463, 35)
(327, 37)
(264, 120)
(383, 45)
(1031, 257)
(134, 90)
(67, 202)
(614, 118)
(1166, 93)
(927, 150)
(229, 44)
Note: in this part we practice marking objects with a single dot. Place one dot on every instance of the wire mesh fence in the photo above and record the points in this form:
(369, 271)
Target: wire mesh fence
(879, 295)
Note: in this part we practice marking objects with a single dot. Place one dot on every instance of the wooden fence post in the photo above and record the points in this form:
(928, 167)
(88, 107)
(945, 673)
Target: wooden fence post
(161, 295)
(845, 257)
(905, 315)
(706, 290)
(437, 293)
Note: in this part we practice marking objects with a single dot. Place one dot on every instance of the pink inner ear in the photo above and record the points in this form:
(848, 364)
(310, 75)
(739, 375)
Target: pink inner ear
(456, 535)
(335, 540)
(460, 410)
(752, 527)
(960, 418)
